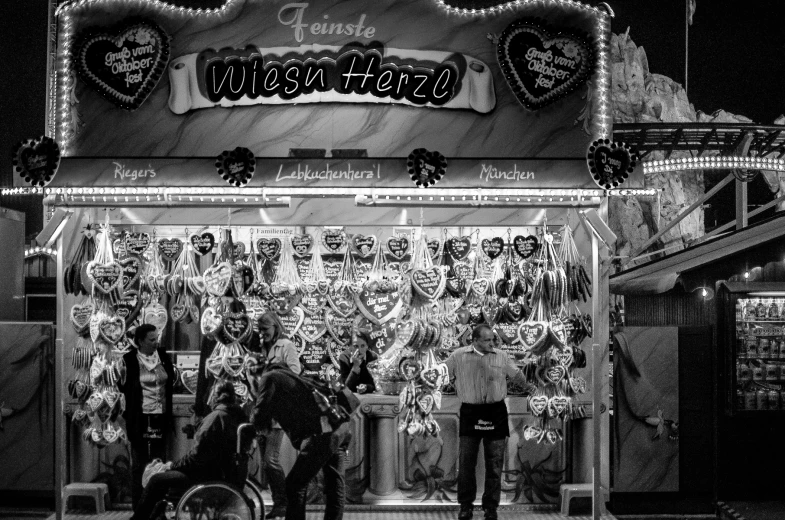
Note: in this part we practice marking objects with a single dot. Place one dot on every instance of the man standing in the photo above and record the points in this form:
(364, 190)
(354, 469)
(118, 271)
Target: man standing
(285, 397)
(480, 373)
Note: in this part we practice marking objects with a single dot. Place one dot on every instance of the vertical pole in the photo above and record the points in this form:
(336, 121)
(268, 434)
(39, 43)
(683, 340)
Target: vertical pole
(596, 386)
(59, 433)
(686, 43)
(741, 204)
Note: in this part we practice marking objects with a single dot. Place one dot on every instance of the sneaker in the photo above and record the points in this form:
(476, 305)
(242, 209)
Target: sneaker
(465, 513)
(276, 512)
(490, 513)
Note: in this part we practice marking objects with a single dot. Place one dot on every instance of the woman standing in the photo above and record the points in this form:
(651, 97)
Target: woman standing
(353, 363)
(148, 387)
(275, 349)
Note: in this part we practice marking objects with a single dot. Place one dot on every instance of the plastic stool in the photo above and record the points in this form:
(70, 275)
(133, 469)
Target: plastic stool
(97, 491)
(570, 491)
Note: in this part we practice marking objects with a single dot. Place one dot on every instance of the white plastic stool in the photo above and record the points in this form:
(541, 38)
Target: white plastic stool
(570, 491)
(95, 490)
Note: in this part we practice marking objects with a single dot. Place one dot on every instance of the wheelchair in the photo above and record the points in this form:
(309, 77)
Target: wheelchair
(219, 500)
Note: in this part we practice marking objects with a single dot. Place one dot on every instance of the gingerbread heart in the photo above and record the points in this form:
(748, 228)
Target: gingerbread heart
(123, 63)
(531, 433)
(132, 267)
(554, 374)
(292, 320)
(533, 335)
(237, 327)
(210, 322)
(156, 315)
(342, 302)
(136, 243)
(409, 368)
(458, 248)
(525, 247)
(128, 308)
(105, 277)
(333, 240)
(434, 248)
(610, 163)
(302, 244)
(508, 332)
(36, 160)
(564, 358)
(537, 404)
(269, 248)
(339, 327)
(217, 278)
(313, 303)
(557, 333)
(363, 245)
(428, 283)
(111, 329)
(425, 403)
(398, 247)
(189, 379)
(178, 311)
(405, 331)
(285, 302)
(578, 385)
(379, 307)
(203, 243)
(431, 376)
(80, 317)
(493, 247)
(557, 405)
(236, 166)
(480, 286)
(312, 328)
(170, 248)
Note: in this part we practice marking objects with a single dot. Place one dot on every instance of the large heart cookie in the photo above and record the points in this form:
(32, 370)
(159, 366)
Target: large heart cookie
(269, 248)
(525, 247)
(312, 328)
(398, 247)
(80, 317)
(492, 247)
(217, 278)
(364, 245)
(292, 320)
(533, 334)
(170, 248)
(379, 307)
(542, 66)
(237, 327)
(124, 63)
(342, 302)
(136, 243)
(428, 283)
(458, 248)
(36, 160)
(339, 327)
(105, 277)
(203, 243)
(236, 166)
(112, 329)
(333, 240)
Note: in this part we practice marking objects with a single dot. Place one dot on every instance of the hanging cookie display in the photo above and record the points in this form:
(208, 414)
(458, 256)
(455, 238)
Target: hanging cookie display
(610, 163)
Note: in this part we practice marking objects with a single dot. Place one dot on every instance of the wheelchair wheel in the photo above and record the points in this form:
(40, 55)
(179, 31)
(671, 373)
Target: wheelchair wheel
(215, 501)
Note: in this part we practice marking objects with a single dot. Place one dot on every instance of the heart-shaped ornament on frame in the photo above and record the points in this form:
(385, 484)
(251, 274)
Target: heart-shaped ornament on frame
(610, 163)
(425, 167)
(123, 63)
(541, 64)
(236, 166)
(36, 160)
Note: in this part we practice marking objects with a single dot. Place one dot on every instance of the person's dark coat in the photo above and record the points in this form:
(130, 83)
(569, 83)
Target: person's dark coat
(132, 389)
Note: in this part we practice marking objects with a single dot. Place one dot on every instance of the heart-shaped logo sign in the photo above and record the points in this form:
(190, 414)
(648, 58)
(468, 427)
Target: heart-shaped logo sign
(313, 328)
(398, 247)
(236, 166)
(339, 327)
(492, 247)
(136, 243)
(217, 278)
(237, 327)
(537, 404)
(333, 240)
(428, 283)
(525, 247)
(111, 329)
(458, 248)
(170, 248)
(125, 63)
(189, 378)
(542, 66)
(36, 160)
(426, 168)
(610, 162)
(80, 317)
(302, 244)
(203, 243)
(364, 245)
(105, 277)
(292, 320)
(379, 307)
(533, 334)
(132, 267)
(434, 248)
(269, 248)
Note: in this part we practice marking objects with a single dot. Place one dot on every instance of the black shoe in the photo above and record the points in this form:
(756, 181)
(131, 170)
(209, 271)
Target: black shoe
(465, 513)
(276, 512)
(490, 513)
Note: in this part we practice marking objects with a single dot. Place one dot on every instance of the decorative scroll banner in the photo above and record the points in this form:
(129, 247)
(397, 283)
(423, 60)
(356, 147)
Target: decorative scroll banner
(123, 63)
(543, 64)
(355, 73)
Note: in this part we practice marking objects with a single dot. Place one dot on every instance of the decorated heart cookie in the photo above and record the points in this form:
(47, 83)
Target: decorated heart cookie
(312, 328)
(379, 307)
(36, 160)
(339, 327)
(398, 247)
(525, 247)
(237, 327)
(542, 65)
(492, 247)
(236, 166)
(112, 329)
(610, 163)
(269, 248)
(80, 317)
(136, 243)
(203, 243)
(292, 320)
(333, 240)
(123, 63)
(409, 368)
(217, 278)
(537, 404)
(434, 248)
(428, 283)
(170, 248)
(458, 248)
(533, 335)
(302, 244)
(210, 322)
(426, 168)
(105, 277)
(364, 245)
(132, 267)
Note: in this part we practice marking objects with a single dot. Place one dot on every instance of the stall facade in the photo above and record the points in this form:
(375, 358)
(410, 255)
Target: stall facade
(385, 162)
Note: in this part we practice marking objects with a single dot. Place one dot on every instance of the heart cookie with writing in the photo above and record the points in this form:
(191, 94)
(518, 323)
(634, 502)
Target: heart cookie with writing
(542, 65)
(508, 332)
(157, 316)
(313, 303)
(492, 247)
(285, 302)
(80, 317)
(533, 334)
(431, 376)
(203, 243)
(364, 245)
(557, 405)
(379, 307)
(217, 278)
(123, 63)
(333, 240)
(170, 248)
(552, 374)
(236, 166)
(269, 248)
(302, 244)
(463, 271)
(292, 320)
(339, 327)
(458, 248)
(342, 302)
(578, 385)
(610, 163)
(136, 243)
(129, 306)
(525, 246)
(537, 404)
(425, 167)
(189, 378)
(36, 160)
(480, 286)
(237, 327)
(409, 368)
(312, 328)
(111, 329)
(398, 247)
(557, 333)
(105, 277)
(434, 248)
(178, 312)
(428, 283)
(132, 267)
(382, 337)
(564, 357)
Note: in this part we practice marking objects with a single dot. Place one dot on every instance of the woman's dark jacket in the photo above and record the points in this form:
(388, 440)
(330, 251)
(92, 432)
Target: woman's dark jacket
(133, 395)
(351, 379)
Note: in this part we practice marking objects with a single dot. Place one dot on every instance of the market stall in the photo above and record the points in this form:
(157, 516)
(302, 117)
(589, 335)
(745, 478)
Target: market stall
(346, 165)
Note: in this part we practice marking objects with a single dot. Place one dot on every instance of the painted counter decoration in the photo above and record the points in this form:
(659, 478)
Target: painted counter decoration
(273, 75)
(417, 297)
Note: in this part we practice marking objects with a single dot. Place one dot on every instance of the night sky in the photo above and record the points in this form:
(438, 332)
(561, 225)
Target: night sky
(735, 63)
